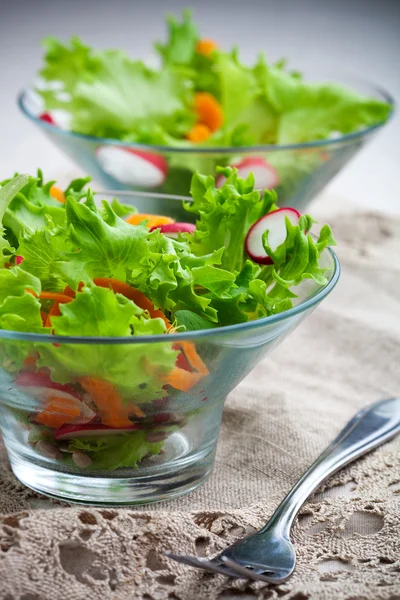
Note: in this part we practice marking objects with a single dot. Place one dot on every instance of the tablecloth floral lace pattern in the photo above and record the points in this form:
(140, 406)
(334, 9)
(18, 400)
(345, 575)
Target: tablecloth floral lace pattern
(275, 423)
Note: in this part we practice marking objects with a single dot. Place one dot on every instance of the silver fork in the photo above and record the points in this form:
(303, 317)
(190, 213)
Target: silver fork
(269, 555)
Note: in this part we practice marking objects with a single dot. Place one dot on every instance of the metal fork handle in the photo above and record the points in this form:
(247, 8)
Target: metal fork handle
(368, 429)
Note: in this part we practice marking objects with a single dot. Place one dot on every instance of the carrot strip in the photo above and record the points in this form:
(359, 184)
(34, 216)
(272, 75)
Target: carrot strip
(192, 356)
(205, 47)
(181, 379)
(208, 110)
(50, 296)
(57, 194)
(112, 411)
(199, 133)
(58, 411)
(119, 287)
(153, 220)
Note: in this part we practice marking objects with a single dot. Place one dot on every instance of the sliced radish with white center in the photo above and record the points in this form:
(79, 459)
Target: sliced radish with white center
(33, 103)
(275, 223)
(133, 167)
(172, 230)
(61, 118)
(69, 432)
(47, 395)
(47, 118)
(265, 176)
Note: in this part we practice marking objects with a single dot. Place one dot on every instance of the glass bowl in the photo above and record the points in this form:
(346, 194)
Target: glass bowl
(297, 171)
(150, 449)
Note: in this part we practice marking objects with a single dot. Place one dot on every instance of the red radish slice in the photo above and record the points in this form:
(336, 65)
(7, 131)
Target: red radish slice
(133, 167)
(18, 260)
(275, 223)
(173, 229)
(42, 379)
(47, 118)
(265, 176)
(61, 118)
(33, 102)
(69, 432)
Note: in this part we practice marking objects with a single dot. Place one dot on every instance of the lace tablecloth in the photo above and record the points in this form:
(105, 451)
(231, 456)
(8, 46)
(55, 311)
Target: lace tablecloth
(275, 423)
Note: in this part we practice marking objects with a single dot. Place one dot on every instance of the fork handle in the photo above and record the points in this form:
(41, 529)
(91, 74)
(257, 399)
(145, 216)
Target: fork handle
(368, 429)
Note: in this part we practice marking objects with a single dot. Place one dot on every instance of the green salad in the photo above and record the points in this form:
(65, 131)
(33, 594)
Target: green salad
(71, 265)
(199, 95)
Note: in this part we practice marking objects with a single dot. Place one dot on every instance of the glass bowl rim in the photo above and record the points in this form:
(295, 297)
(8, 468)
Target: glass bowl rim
(356, 135)
(248, 326)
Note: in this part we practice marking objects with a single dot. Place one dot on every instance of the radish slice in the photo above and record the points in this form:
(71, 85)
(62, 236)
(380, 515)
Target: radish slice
(265, 176)
(173, 229)
(47, 118)
(33, 102)
(275, 223)
(42, 380)
(133, 167)
(69, 432)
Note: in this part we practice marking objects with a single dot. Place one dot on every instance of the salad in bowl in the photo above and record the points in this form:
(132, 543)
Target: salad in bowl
(137, 127)
(121, 333)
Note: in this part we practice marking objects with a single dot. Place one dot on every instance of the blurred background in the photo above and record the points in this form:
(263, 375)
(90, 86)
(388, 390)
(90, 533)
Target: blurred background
(361, 37)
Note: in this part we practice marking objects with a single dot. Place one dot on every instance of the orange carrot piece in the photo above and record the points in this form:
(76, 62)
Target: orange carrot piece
(153, 220)
(112, 411)
(181, 379)
(53, 312)
(58, 411)
(199, 133)
(119, 287)
(30, 362)
(50, 296)
(189, 349)
(208, 110)
(57, 194)
(205, 47)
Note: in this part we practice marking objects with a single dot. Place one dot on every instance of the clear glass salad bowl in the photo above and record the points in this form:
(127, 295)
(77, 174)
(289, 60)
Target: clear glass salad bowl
(296, 171)
(172, 440)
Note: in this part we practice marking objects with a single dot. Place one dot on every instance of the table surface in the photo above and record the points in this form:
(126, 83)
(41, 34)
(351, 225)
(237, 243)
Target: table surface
(361, 36)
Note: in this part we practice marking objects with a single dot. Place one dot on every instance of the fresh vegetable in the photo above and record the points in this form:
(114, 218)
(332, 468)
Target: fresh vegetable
(108, 94)
(273, 226)
(104, 272)
(265, 175)
(69, 432)
(173, 230)
(145, 169)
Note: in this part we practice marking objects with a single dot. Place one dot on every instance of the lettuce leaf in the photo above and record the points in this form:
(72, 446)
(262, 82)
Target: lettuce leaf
(108, 94)
(135, 370)
(19, 311)
(225, 215)
(114, 451)
(8, 190)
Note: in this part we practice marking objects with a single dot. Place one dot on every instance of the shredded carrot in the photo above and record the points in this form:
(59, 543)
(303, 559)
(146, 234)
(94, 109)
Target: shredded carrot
(53, 312)
(57, 194)
(205, 47)
(133, 294)
(153, 220)
(30, 362)
(50, 296)
(189, 349)
(70, 292)
(112, 411)
(199, 133)
(181, 379)
(58, 411)
(208, 110)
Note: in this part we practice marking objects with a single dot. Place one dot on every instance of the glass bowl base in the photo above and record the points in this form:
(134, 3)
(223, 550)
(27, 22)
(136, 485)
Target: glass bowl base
(152, 483)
